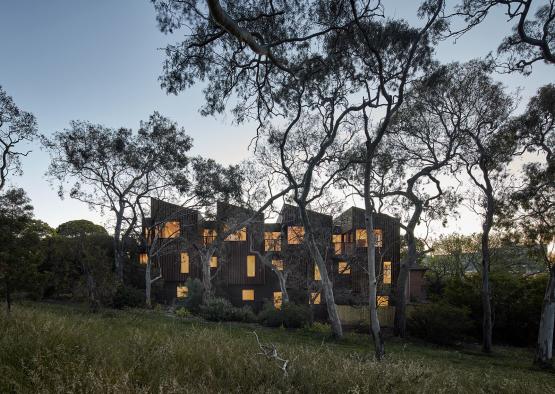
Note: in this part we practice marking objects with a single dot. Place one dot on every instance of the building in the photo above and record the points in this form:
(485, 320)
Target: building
(242, 267)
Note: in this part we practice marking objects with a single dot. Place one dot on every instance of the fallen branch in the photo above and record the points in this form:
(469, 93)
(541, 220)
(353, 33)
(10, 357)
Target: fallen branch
(270, 352)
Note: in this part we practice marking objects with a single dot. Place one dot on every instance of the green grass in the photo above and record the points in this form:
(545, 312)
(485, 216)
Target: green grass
(54, 348)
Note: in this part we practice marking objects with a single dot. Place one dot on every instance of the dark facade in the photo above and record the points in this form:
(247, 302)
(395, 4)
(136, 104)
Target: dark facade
(239, 274)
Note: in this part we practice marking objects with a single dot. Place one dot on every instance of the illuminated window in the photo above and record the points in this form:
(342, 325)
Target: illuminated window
(315, 298)
(278, 264)
(182, 291)
(378, 235)
(251, 266)
(248, 295)
(184, 263)
(277, 299)
(336, 239)
(317, 275)
(272, 241)
(382, 301)
(344, 268)
(213, 262)
(361, 238)
(208, 236)
(143, 258)
(170, 230)
(240, 235)
(387, 272)
(295, 235)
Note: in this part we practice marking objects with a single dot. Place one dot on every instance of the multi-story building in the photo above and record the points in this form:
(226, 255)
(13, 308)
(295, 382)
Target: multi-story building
(242, 268)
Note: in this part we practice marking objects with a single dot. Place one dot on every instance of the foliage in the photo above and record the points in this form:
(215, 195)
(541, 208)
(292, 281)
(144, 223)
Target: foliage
(128, 297)
(182, 312)
(440, 323)
(290, 315)
(220, 309)
(270, 316)
(194, 295)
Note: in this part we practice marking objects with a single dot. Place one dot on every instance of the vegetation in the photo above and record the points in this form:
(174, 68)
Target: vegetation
(52, 348)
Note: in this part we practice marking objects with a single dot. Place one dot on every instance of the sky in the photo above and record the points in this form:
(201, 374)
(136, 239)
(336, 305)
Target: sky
(100, 61)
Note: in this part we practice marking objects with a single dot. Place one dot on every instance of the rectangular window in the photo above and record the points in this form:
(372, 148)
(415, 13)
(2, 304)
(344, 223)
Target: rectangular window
(295, 235)
(182, 291)
(344, 268)
(170, 230)
(317, 275)
(240, 235)
(272, 241)
(143, 258)
(382, 301)
(208, 236)
(315, 298)
(251, 266)
(277, 299)
(336, 240)
(213, 262)
(278, 264)
(184, 263)
(378, 235)
(387, 272)
(248, 295)
(361, 238)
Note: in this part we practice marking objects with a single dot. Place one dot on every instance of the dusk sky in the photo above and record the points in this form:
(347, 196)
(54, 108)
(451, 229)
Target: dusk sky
(100, 60)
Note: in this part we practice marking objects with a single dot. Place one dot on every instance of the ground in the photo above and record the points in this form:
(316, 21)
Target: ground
(60, 348)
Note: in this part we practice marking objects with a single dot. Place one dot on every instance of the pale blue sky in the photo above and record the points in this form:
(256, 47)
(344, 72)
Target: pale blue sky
(100, 61)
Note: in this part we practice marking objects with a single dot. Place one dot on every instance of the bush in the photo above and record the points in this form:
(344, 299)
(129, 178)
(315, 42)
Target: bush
(182, 312)
(296, 316)
(440, 323)
(270, 316)
(244, 314)
(128, 297)
(220, 309)
(194, 296)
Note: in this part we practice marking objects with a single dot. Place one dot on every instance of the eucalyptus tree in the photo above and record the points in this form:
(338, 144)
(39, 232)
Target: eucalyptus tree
(17, 127)
(113, 169)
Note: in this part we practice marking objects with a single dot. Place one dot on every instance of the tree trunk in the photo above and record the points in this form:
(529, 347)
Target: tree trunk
(487, 325)
(544, 351)
(148, 284)
(327, 286)
(375, 330)
(206, 282)
(282, 286)
(400, 322)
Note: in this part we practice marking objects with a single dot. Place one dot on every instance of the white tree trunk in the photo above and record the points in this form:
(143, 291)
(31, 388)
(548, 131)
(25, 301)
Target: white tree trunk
(544, 351)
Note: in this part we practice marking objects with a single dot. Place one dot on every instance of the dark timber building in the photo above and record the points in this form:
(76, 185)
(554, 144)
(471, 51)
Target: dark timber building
(242, 267)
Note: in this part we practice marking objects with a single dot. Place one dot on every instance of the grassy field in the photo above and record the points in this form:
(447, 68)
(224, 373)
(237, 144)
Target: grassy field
(53, 348)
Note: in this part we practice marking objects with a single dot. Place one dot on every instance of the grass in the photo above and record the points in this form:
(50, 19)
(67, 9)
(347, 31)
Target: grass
(54, 348)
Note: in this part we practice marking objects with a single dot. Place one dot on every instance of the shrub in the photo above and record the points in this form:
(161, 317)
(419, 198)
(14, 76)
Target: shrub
(270, 316)
(296, 316)
(182, 312)
(440, 323)
(244, 314)
(216, 309)
(194, 295)
(128, 297)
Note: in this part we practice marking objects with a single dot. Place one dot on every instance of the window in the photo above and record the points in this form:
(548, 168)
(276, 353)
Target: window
(208, 236)
(182, 291)
(143, 258)
(344, 268)
(240, 235)
(315, 298)
(295, 235)
(387, 272)
(213, 262)
(272, 241)
(277, 299)
(378, 235)
(170, 230)
(278, 264)
(248, 295)
(361, 238)
(184, 263)
(336, 240)
(251, 266)
(382, 301)
(317, 275)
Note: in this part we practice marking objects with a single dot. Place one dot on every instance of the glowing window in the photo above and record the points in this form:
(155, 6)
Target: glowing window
(317, 275)
(278, 299)
(344, 268)
(240, 235)
(315, 298)
(213, 262)
(248, 295)
(336, 240)
(278, 264)
(251, 266)
(184, 263)
(272, 241)
(295, 235)
(143, 258)
(170, 230)
(182, 291)
(208, 236)
(387, 272)
(378, 235)
(361, 238)
(382, 301)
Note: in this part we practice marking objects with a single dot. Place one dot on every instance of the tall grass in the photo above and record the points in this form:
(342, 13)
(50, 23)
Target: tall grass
(47, 348)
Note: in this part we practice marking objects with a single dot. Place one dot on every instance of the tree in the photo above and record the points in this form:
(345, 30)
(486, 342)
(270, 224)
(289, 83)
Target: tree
(16, 127)
(533, 39)
(113, 169)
